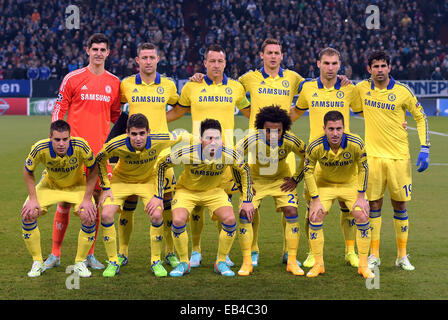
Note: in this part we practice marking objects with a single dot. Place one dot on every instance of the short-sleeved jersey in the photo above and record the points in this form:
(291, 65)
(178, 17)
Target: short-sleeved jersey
(134, 166)
(201, 174)
(61, 172)
(91, 102)
(269, 162)
(149, 99)
(340, 168)
(265, 90)
(318, 99)
(216, 101)
(384, 113)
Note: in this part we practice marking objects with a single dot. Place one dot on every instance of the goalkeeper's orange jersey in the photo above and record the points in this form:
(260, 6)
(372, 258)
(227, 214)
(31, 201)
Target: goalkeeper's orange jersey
(91, 102)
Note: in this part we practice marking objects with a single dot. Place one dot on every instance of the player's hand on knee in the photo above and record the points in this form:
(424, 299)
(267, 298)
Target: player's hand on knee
(247, 209)
(87, 210)
(361, 205)
(31, 210)
(106, 194)
(154, 204)
(288, 185)
(317, 211)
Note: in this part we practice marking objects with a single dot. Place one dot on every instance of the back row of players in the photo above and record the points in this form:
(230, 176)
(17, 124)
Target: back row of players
(336, 166)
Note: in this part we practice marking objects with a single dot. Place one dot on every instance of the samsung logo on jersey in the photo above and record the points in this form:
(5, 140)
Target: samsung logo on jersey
(327, 104)
(215, 99)
(94, 97)
(337, 163)
(279, 92)
(148, 99)
(64, 169)
(379, 105)
(206, 172)
(143, 161)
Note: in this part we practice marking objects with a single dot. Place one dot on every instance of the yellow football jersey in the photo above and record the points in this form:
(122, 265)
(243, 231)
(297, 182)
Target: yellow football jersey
(384, 113)
(267, 161)
(201, 174)
(149, 99)
(134, 166)
(215, 101)
(61, 172)
(265, 90)
(318, 100)
(342, 168)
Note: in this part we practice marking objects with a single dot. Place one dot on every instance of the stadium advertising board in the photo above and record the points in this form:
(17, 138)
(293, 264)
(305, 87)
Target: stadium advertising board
(41, 106)
(15, 88)
(13, 106)
(428, 88)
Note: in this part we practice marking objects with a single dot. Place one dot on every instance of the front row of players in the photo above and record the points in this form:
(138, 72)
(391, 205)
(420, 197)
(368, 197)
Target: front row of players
(258, 165)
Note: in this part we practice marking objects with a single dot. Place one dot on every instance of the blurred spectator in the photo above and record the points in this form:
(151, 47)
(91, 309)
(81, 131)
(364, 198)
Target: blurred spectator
(44, 72)
(437, 74)
(33, 71)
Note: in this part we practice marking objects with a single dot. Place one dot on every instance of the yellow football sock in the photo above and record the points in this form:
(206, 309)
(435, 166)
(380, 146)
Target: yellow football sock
(375, 221)
(285, 249)
(401, 226)
(316, 239)
(363, 238)
(180, 239)
(126, 226)
(226, 238)
(348, 229)
(255, 228)
(167, 222)
(86, 237)
(292, 233)
(156, 234)
(110, 241)
(31, 236)
(245, 237)
(196, 226)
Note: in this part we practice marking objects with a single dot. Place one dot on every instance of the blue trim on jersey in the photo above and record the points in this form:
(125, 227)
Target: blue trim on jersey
(265, 75)
(131, 148)
(52, 153)
(337, 85)
(209, 81)
(343, 142)
(389, 86)
(138, 79)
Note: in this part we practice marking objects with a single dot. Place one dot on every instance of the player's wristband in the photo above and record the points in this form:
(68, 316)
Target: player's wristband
(315, 197)
(424, 149)
(105, 189)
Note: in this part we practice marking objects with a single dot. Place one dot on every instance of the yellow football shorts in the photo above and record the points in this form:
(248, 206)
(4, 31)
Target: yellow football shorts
(344, 193)
(48, 195)
(121, 191)
(212, 199)
(265, 187)
(393, 173)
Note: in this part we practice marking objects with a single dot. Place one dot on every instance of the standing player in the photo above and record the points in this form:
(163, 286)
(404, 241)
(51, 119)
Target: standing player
(200, 184)
(138, 151)
(267, 150)
(90, 98)
(384, 102)
(343, 177)
(214, 97)
(63, 181)
(319, 96)
(148, 93)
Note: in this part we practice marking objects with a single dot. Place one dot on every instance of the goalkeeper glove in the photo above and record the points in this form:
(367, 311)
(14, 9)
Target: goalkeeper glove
(423, 159)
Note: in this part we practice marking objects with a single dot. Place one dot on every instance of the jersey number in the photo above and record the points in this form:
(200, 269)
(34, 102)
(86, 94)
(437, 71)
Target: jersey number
(408, 189)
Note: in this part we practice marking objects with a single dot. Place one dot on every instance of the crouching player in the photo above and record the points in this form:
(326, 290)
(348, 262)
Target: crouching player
(340, 156)
(267, 150)
(199, 185)
(63, 181)
(137, 151)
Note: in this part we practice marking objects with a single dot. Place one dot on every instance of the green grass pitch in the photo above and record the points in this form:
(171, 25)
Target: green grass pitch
(427, 244)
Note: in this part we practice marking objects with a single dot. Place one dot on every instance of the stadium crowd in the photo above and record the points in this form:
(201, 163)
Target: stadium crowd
(36, 44)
